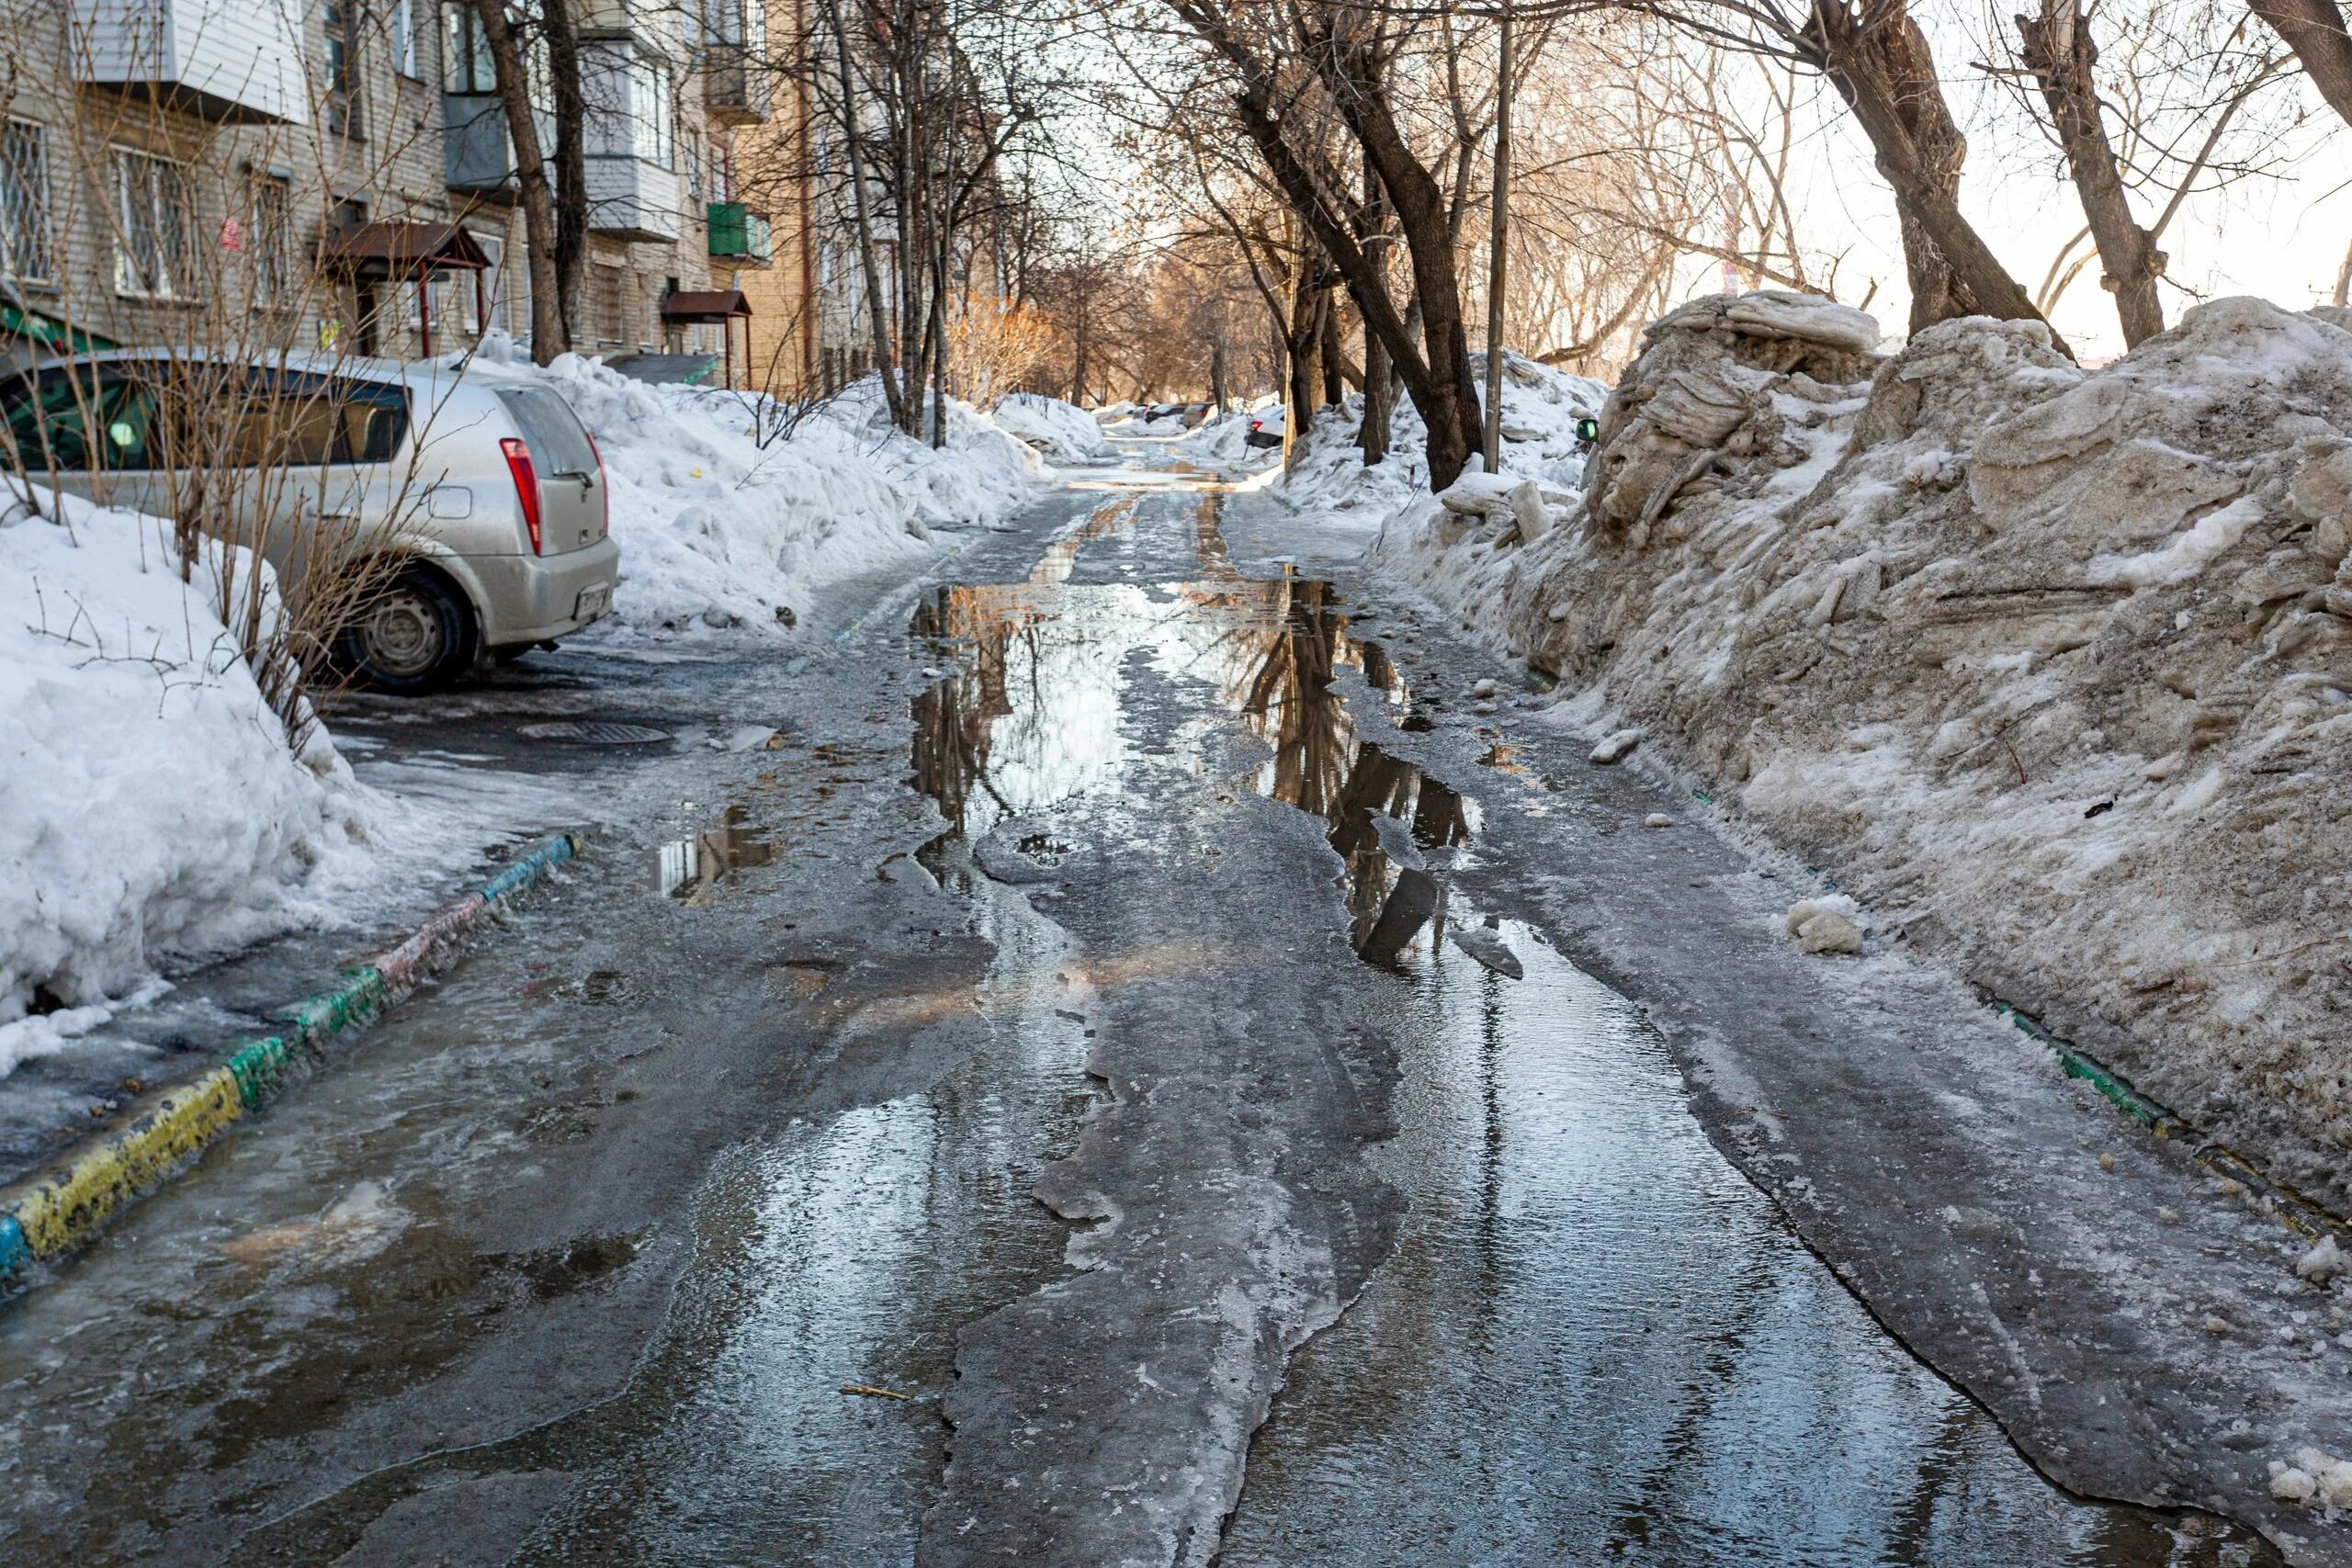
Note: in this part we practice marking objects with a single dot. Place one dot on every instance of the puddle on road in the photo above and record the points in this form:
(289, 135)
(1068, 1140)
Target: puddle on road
(866, 1242)
(1596, 1341)
(688, 869)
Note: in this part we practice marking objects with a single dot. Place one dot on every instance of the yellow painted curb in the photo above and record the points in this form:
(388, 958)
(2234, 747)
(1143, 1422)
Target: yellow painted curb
(62, 1207)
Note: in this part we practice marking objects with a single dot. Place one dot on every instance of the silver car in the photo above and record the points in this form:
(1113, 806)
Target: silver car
(484, 494)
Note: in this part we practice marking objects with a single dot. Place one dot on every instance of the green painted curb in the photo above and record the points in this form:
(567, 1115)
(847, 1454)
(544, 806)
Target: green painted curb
(58, 1210)
(2290, 1207)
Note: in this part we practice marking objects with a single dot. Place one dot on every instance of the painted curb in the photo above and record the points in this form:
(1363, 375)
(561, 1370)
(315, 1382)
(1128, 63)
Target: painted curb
(59, 1210)
(2289, 1207)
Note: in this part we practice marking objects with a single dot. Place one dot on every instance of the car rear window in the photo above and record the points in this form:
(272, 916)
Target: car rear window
(558, 445)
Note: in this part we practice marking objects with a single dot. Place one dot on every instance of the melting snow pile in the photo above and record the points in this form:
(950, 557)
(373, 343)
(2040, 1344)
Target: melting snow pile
(1062, 433)
(2053, 666)
(1541, 407)
(154, 808)
(731, 509)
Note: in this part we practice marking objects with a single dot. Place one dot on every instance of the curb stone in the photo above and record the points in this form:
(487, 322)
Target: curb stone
(55, 1213)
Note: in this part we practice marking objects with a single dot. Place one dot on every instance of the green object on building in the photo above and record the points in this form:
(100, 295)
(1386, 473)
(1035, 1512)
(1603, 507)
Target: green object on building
(738, 233)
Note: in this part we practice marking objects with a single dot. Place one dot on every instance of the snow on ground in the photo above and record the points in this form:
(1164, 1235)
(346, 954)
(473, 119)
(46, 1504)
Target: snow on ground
(155, 813)
(1220, 439)
(155, 809)
(729, 511)
(2052, 668)
(1063, 433)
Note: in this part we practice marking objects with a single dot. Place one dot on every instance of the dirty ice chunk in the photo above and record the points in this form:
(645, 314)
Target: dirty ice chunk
(1617, 748)
(2291, 1485)
(1827, 925)
(1489, 950)
(1657, 819)
(1003, 862)
(1485, 688)
(2324, 1262)
(2332, 1476)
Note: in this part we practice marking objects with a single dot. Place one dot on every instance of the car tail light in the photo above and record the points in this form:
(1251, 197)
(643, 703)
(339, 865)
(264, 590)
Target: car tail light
(1257, 425)
(604, 490)
(526, 485)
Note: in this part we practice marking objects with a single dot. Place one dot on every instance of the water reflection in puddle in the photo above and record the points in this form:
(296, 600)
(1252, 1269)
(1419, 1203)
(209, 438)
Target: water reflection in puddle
(687, 869)
(1596, 1343)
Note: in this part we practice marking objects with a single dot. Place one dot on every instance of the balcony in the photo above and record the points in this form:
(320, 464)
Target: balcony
(740, 237)
(630, 198)
(735, 89)
(230, 62)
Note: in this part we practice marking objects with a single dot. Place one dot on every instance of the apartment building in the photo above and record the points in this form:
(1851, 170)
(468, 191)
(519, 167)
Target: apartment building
(338, 173)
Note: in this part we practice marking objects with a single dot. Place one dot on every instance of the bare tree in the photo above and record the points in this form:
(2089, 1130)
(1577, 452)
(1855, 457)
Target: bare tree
(2314, 30)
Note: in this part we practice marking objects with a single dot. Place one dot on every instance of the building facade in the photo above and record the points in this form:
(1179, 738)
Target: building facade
(337, 174)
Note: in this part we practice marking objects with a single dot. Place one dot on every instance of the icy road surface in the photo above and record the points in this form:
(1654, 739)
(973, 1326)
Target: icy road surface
(1034, 1076)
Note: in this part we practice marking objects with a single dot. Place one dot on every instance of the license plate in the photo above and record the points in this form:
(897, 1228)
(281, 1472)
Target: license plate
(593, 601)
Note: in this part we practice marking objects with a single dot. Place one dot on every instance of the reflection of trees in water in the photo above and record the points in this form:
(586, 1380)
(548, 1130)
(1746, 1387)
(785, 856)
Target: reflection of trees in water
(1274, 649)
(953, 718)
(1320, 765)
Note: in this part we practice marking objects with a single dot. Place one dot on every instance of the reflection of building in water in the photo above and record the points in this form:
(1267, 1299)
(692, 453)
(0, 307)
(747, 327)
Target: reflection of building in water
(689, 865)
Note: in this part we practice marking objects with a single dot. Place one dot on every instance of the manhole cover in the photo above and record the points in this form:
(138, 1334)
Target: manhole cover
(595, 732)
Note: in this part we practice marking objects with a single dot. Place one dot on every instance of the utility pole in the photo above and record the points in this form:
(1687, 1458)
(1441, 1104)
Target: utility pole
(1496, 265)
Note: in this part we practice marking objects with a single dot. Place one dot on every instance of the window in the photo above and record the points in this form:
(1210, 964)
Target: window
(308, 420)
(65, 424)
(722, 174)
(558, 444)
(494, 286)
(403, 28)
(653, 111)
(694, 164)
(269, 231)
(25, 254)
(467, 69)
(609, 286)
(341, 68)
(151, 202)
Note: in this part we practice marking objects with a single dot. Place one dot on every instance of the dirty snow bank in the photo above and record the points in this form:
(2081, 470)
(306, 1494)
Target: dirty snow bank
(1541, 407)
(2054, 668)
(1062, 433)
(154, 809)
(730, 511)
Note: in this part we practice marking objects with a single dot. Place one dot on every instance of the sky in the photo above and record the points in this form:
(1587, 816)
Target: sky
(2281, 235)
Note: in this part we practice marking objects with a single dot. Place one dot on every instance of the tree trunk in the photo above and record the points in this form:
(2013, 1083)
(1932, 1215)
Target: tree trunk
(571, 167)
(1379, 390)
(1217, 371)
(1304, 351)
(1335, 391)
(1881, 65)
(1449, 399)
(2314, 30)
(862, 210)
(2058, 50)
(547, 337)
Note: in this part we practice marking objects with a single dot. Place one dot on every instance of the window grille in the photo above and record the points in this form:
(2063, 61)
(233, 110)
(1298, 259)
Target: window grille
(269, 224)
(151, 200)
(609, 300)
(25, 253)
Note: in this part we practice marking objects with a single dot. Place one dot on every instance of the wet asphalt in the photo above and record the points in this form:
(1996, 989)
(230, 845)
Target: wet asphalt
(1020, 1075)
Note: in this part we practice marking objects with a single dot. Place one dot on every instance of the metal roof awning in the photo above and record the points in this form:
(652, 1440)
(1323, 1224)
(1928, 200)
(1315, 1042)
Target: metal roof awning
(715, 305)
(404, 250)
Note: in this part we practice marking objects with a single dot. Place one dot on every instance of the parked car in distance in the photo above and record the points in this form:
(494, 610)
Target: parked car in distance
(1266, 427)
(487, 500)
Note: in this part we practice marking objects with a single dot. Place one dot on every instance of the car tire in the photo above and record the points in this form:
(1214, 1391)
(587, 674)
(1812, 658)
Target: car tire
(413, 636)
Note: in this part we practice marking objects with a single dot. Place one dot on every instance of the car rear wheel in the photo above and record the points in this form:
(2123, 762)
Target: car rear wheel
(413, 636)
